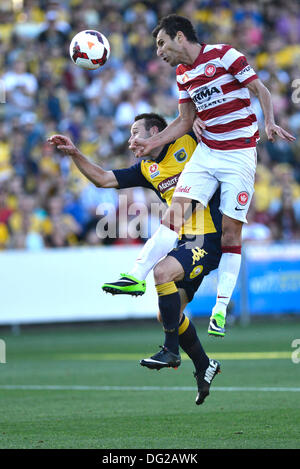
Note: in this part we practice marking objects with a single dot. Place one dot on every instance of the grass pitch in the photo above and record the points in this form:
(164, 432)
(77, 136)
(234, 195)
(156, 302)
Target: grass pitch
(83, 387)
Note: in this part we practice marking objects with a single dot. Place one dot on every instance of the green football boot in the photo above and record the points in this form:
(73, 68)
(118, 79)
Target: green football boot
(217, 324)
(126, 285)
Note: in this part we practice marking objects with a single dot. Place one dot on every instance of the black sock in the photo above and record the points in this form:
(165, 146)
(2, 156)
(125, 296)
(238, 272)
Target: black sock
(190, 344)
(169, 306)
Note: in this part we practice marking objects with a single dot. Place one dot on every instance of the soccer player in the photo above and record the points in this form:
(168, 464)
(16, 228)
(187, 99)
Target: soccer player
(214, 82)
(179, 275)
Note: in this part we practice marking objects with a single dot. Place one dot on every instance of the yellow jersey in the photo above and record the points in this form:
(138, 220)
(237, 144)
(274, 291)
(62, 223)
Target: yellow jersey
(161, 175)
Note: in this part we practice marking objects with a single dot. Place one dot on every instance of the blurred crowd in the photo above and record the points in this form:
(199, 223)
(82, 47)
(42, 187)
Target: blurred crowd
(44, 201)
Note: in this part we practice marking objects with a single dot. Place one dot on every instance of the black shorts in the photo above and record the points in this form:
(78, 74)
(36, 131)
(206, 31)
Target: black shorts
(198, 256)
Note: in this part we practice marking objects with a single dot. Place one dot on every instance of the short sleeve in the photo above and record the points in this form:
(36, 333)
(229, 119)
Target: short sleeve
(131, 177)
(184, 96)
(237, 65)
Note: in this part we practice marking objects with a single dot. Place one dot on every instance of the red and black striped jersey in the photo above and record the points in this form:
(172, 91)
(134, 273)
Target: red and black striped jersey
(216, 83)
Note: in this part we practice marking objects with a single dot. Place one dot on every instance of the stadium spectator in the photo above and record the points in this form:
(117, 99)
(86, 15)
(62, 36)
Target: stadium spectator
(63, 228)
(255, 231)
(47, 94)
(53, 34)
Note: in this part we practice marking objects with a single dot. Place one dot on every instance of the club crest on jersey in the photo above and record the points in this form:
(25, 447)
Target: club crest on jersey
(153, 169)
(243, 198)
(180, 155)
(210, 70)
(196, 271)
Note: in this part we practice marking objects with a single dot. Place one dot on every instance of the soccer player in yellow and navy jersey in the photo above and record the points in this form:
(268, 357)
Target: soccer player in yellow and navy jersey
(178, 275)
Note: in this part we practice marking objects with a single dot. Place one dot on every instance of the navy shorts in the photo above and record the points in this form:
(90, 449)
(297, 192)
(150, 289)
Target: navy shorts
(198, 256)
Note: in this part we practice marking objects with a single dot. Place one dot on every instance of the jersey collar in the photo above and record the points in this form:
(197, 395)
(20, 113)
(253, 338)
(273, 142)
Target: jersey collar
(198, 58)
(163, 152)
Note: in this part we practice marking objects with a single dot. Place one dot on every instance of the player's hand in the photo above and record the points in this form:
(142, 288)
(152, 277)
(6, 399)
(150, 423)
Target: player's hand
(273, 130)
(140, 146)
(64, 144)
(198, 127)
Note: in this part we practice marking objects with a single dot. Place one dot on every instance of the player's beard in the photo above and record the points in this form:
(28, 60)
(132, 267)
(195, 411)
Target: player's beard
(173, 61)
(147, 135)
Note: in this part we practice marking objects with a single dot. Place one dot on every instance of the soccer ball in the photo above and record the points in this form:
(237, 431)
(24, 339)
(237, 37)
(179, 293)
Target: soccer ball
(89, 49)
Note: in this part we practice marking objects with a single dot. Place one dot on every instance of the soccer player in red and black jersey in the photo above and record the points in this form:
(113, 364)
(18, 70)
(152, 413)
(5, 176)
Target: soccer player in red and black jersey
(214, 83)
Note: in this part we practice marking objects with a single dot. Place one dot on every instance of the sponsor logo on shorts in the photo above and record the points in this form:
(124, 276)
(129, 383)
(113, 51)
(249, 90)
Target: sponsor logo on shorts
(196, 271)
(198, 254)
(243, 198)
(153, 169)
(210, 70)
(183, 189)
(168, 183)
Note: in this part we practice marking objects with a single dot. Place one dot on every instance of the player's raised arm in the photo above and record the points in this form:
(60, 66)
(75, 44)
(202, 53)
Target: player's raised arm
(258, 89)
(90, 170)
(178, 127)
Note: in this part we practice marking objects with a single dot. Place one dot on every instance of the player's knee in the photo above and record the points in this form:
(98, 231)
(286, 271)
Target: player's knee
(231, 234)
(175, 215)
(161, 274)
(230, 239)
(174, 223)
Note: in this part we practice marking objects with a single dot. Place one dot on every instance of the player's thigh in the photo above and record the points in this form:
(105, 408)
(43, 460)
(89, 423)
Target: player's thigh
(237, 177)
(236, 196)
(199, 260)
(197, 256)
(197, 180)
(168, 270)
(179, 211)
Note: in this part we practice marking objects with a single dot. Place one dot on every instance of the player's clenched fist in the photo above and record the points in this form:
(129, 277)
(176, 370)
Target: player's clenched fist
(140, 146)
(63, 144)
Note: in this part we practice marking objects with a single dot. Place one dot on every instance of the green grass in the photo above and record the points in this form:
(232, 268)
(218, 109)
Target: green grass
(107, 355)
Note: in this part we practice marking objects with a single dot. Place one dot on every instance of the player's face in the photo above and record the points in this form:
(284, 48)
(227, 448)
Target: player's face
(138, 130)
(168, 49)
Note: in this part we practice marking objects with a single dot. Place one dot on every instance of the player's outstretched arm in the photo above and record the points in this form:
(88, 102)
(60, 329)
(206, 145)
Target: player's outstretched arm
(265, 99)
(176, 129)
(90, 170)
